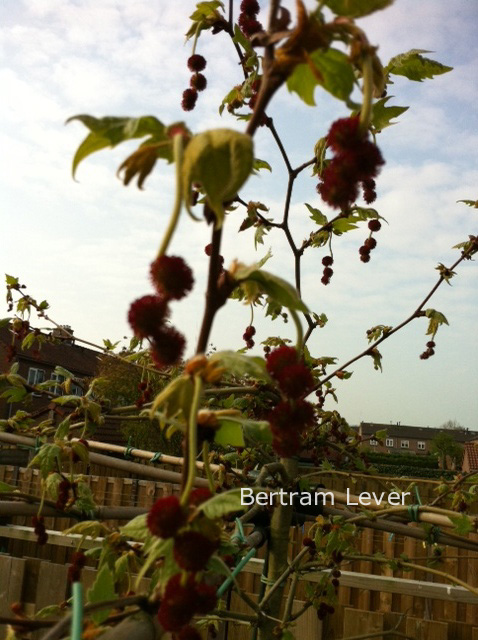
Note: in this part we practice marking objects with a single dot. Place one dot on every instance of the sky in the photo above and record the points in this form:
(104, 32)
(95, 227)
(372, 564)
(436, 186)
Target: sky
(86, 245)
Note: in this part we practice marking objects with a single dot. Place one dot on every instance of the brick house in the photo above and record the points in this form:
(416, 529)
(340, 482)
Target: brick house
(470, 457)
(38, 365)
(408, 439)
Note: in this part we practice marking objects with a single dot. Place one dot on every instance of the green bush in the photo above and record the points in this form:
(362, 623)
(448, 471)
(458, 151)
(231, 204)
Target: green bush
(428, 461)
(413, 472)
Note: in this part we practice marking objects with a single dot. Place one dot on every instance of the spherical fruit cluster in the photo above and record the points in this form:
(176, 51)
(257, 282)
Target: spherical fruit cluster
(248, 334)
(39, 528)
(166, 516)
(197, 82)
(173, 279)
(293, 415)
(429, 351)
(324, 609)
(248, 17)
(78, 561)
(182, 600)
(370, 243)
(63, 494)
(356, 161)
(328, 272)
(192, 550)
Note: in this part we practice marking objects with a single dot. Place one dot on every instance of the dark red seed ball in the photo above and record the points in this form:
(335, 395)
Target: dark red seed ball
(198, 82)
(365, 257)
(327, 261)
(328, 272)
(374, 225)
(370, 243)
(196, 62)
(189, 99)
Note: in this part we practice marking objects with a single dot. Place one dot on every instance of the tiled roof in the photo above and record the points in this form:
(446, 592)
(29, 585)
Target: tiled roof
(79, 360)
(471, 455)
(417, 433)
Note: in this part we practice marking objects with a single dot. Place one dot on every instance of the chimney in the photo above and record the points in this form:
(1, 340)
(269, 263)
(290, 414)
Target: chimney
(64, 333)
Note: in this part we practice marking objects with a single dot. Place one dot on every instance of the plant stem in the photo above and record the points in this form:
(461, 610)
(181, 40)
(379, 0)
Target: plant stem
(205, 457)
(192, 440)
(178, 197)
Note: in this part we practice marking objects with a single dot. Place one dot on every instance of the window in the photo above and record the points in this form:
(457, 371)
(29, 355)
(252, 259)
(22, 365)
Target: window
(373, 443)
(35, 376)
(404, 444)
(389, 442)
(59, 378)
(421, 446)
(76, 390)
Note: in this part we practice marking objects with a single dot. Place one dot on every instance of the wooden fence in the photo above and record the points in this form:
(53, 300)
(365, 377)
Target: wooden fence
(365, 601)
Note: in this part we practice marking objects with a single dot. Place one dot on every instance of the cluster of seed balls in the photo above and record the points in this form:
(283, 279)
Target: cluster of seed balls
(172, 279)
(293, 415)
(429, 351)
(370, 243)
(356, 161)
(248, 17)
(198, 82)
(185, 594)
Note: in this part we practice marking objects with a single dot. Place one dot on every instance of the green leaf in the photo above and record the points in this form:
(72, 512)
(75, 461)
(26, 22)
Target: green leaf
(11, 281)
(435, 320)
(356, 8)
(261, 164)
(414, 66)
(63, 429)
(81, 451)
(382, 115)
(377, 358)
(52, 610)
(61, 400)
(157, 549)
(110, 131)
(238, 364)
(221, 160)
(14, 394)
(47, 459)
(4, 322)
(91, 528)
(136, 529)
(276, 288)
(229, 433)
(317, 216)
(222, 504)
(333, 67)
(175, 399)
(103, 589)
(7, 488)
(463, 525)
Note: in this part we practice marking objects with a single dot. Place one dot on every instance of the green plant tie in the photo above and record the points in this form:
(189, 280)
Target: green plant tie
(128, 449)
(413, 510)
(77, 613)
(157, 456)
(239, 533)
(225, 585)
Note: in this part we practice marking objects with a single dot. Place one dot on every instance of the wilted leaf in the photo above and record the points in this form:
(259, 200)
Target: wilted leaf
(103, 589)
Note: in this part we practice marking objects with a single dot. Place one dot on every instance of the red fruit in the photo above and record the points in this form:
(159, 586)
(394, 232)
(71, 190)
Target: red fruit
(192, 550)
(370, 243)
(295, 381)
(165, 517)
(328, 272)
(171, 276)
(325, 280)
(369, 194)
(279, 358)
(251, 7)
(286, 417)
(178, 603)
(206, 598)
(196, 63)
(308, 542)
(336, 188)
(345, 134)
(287, 444)
(249, 25)
(198, 82)
(189, 99)
(198, 496)
(327, 261)
(167, 347)
(146, 315)
(374, 225)
(365, 257)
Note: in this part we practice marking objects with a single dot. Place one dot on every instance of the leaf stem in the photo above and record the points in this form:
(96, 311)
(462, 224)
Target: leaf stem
(192, 440)
(205, 458)
(173, 221)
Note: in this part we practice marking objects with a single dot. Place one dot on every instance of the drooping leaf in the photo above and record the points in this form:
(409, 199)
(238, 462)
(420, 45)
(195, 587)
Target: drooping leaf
(235, 431)
(229, 434)
(239, 364)
(463, 525)
(275, 287)
(356, 8)
(111, 131)
(136, 529)
(470, 203)
(415, 67)
(382, 115)
(103, 589)
(221, 160)
(47, 459)
(333, 71)
(436, 318)
(260, 164)
(222, 504)
(175, 399)
(63, 429)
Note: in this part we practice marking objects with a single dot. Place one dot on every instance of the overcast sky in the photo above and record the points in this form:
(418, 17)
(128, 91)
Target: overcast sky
(86, 246)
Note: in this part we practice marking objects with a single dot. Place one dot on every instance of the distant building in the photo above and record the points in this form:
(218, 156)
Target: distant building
(407, 439)
(470, 457)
